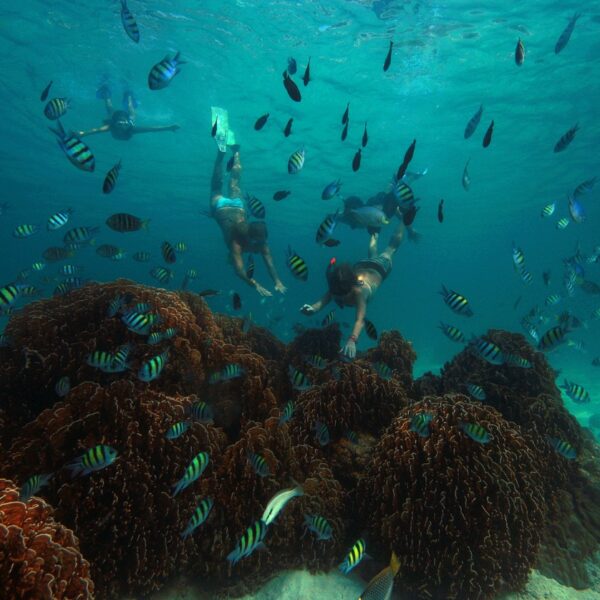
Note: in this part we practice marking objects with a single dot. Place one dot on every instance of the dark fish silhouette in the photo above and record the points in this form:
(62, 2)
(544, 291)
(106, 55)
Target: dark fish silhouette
(520, 53)
(45, 93)
(565, 36)
(306, 76)
(345, 115)
(208, 293)
(388, 58)
(566, 139)
(280, 195)
(546, 277)
(407, 158)
(473, 122)
(487, 138)
(441, 211)
(288, 128)
(291, 88)
(356, 161)
(365, 137)
(292, 66)
(236, 301)
(331, 243)
(409, 216)
(213, 131)
(345, 131)
(260, 122)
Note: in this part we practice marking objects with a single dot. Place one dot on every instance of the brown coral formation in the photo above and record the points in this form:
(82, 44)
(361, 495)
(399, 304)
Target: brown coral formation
(124, 515)
(39, 558)
(391, 482)
(463, 517)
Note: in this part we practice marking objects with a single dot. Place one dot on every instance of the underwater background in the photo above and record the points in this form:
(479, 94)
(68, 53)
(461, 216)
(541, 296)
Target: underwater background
(448, 59)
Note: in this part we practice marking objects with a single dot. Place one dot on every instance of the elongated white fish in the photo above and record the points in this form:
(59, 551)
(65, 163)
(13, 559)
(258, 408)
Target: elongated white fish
(278, 502)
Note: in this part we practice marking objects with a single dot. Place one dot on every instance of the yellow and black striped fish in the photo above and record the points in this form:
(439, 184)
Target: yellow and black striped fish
(259, 464)
(8, 295)
(192, 472)
(326, 228)
(456, 302)
(476, 432)
(76, 151)
(296, 162)
(563, 448)
(161, 274)
(100, 359)
(319, 526)
(56, 108)
(168, 253)
(328, 320)
(33, 485)
(299, 380)
(58, 220)
(354, 556)
(370, 329)
(129, 24)
(79, 234)
(453, 333)
(177, 430)
(380, 587)
(487, 350)
(94, 459)
(297, 265)
(255, 206)
(552, 338)
(151, 369)
(111, 179)
(25, 230)
(200, 515)
(419, 423)
(253, 538)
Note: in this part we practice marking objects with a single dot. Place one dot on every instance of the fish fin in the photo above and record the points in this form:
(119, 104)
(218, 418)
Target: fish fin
(145, 224)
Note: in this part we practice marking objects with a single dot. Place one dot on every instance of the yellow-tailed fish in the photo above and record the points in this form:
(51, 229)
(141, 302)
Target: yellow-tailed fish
(380, 587)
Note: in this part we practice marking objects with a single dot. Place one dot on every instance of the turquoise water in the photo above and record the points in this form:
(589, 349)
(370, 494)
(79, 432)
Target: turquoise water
(448, 59)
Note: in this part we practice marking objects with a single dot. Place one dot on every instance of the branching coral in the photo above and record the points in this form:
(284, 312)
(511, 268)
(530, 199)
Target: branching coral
(128, 523)
(240, 497)
(463, 517)
(39, 558)
(398, 354)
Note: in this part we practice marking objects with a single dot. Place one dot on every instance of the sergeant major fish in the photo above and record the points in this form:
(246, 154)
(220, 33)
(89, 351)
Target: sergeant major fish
(163, 72)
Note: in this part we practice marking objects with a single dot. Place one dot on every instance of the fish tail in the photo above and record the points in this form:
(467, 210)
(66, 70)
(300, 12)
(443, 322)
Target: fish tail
(145, 224)
(394, 563)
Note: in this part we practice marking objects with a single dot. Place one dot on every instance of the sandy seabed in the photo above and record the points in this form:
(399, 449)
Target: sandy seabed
(301, 585)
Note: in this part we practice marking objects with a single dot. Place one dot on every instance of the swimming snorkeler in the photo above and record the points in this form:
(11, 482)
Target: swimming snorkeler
(356, 285)
(240, 235)
(121, 123)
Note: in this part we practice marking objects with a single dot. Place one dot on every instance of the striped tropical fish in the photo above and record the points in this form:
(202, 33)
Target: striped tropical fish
(259, 464)
(296, 162)
(198, 517)
(576, 392)
(299, 380)
(563, 448)
(177, 430)
(59, 219)
(552, 338)
(419, 423)
(93, 459)
(110, 181)
(297, 265)
(476, 391)
(251, 540)
(129, 24)
(56, 108)
(453, 333)
(8, 295)
(192, 472)
(487, 350)
(255, 206)
(476, 432)
(33, 485)
(76, 151)
(79, 234)
(319, 526)
(161, 274)
(163, 72)
(354, 556)
(456, 302)
(24, 231)
(151, 369)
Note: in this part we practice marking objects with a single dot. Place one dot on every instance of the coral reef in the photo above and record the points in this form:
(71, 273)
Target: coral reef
(124, 515)
(397, 353)
(463, 517)
(39, 558)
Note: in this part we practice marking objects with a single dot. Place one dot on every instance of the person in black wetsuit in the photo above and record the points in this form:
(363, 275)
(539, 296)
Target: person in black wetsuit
(355, 285)
(121, 123)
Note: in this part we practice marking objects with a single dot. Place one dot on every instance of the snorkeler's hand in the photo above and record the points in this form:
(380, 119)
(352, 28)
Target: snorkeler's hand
(261, 290)
(349, 349)
(307, 310)
(279, 287)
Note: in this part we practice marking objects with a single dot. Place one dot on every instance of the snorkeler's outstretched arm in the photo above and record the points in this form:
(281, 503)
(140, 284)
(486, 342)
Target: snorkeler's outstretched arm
(268, 258)
(155, 129)
(238, 266)
(102, 129)
(361, 312)
(309, 309)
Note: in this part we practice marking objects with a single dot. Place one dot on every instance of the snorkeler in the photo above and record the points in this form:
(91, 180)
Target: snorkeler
(240, 235)
(355, 285)
(121, 123)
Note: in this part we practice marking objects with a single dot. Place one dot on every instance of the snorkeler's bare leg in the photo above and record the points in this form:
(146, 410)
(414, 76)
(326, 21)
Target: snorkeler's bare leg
(216, 183)
(102, 129)
(235, 176)
(394, 242)
(373, 244)
(109, 106)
